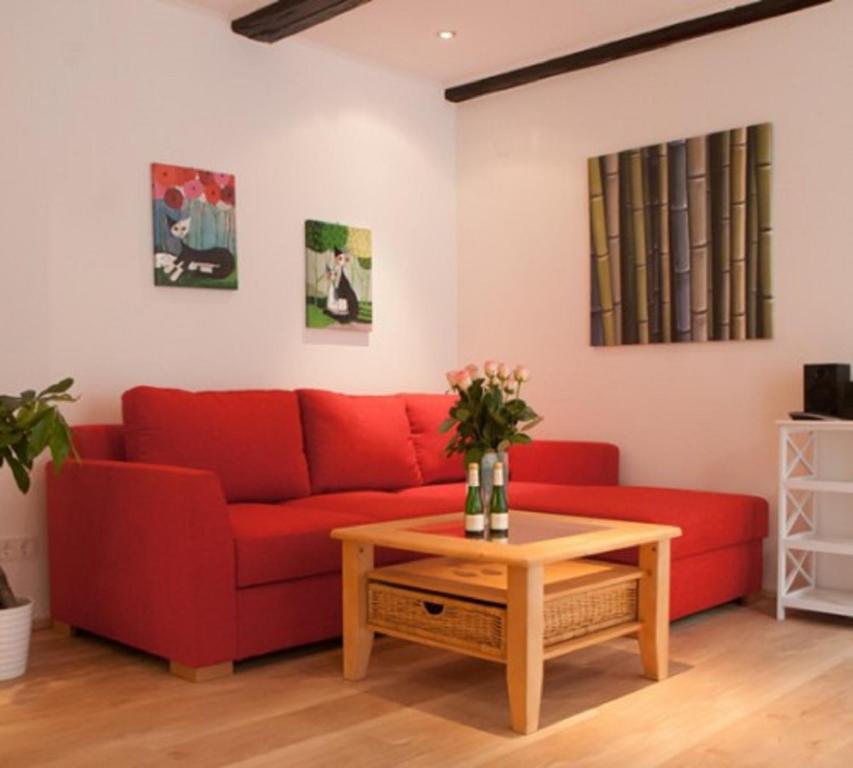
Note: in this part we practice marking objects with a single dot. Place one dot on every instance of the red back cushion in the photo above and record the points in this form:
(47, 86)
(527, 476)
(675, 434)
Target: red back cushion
(252, 439)
(357, 442)
(426, 412)
(99, 441)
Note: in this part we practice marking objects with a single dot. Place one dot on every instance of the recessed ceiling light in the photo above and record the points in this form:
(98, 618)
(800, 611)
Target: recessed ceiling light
(446, 34)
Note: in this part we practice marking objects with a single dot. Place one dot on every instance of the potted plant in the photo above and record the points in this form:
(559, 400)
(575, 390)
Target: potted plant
(30, 423)
(489, 416)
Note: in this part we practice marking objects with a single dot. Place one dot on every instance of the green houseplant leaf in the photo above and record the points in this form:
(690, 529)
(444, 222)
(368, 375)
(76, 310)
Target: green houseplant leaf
(29, 424)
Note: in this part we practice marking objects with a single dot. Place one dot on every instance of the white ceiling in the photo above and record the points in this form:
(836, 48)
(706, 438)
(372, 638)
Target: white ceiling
(493, 35)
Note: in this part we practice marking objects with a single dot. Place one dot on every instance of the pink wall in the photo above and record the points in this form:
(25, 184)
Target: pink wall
(699, 415)
(92, 91)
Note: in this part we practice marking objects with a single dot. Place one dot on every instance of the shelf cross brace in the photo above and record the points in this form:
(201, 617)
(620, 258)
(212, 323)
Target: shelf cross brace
(799, 561)
(800, 455)
(799, 513)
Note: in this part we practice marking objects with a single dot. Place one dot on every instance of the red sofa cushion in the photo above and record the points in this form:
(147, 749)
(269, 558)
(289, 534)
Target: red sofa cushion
(380, 506)
(277, 542)
(708, 520)
(274, 542)
(426, 412)
(357, 442)
(565, 462)
(99, 441)
(252, 439)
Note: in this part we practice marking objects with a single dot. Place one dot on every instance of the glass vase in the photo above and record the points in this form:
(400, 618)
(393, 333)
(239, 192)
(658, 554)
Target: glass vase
(487, 475)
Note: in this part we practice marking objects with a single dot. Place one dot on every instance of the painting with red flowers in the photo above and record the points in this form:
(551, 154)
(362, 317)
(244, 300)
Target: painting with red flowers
(195, 240)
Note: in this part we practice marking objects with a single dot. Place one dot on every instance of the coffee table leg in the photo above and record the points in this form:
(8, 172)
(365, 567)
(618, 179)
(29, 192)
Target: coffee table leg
(654, 609)
(525, 631)
(358, 640)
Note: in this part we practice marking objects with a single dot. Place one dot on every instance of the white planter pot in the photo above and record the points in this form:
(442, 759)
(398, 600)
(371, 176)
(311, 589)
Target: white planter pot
(16, 626)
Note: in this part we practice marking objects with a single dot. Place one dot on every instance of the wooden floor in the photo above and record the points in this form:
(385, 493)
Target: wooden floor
(746, 691)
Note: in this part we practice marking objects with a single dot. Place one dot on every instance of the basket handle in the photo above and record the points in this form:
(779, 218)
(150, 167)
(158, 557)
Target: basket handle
(433, 609)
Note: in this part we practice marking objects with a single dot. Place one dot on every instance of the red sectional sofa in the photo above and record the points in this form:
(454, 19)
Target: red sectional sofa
(198, 530)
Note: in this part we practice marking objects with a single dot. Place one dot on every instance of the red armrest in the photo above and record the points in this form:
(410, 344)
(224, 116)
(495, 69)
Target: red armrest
(565, 462)
(144, 554)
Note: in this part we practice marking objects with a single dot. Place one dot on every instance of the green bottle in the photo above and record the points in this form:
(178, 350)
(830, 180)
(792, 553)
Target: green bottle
(475, 520)
(498, 508)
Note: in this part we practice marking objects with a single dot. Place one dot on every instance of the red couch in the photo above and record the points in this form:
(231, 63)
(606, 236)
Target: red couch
(199, 529)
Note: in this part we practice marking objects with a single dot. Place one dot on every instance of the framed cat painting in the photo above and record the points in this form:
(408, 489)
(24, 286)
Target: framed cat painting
(195, 240)
(338, 276)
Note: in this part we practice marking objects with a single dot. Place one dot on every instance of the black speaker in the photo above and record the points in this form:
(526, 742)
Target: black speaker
(847, 405)
(825, 388)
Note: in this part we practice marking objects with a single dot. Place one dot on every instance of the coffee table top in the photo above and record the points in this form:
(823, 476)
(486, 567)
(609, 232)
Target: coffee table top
(534, 537)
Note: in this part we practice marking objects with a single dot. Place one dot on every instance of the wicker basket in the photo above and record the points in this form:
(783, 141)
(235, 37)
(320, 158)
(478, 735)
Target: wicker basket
(581, 613)
(480, 628)
(466, 625)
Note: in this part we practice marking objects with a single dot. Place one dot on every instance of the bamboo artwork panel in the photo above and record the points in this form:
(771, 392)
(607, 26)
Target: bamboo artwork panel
(681, 240)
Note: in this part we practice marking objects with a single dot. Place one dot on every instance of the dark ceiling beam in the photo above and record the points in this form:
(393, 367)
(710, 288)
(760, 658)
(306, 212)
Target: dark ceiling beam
(287, 17)
(630, 46)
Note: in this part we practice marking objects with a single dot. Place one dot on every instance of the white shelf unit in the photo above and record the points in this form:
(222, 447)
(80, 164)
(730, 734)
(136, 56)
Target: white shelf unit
(800, 539)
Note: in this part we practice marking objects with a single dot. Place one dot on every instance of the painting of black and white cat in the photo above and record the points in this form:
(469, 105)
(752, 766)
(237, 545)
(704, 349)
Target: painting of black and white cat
(217, 263)
(194, 228)
(338, 276)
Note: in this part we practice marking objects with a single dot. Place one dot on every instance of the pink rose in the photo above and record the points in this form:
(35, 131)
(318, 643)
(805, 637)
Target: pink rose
(463, 380)
(491, 368)
(451, 377)
(503, 371)
(521, 373)
(472, 369)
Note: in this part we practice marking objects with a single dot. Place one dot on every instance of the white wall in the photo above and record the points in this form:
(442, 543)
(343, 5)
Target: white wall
(698, 415)
(91, 92)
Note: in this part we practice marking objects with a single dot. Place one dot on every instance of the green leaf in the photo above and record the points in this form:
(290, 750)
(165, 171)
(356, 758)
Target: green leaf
(446, 425)
(520, 439)
(42, 433)
(10, 438)
(20, 473)
(58, 388)
(9, 403)
(31, 423)
(473, 455)
(59, 447)
(30, 417)
(69, 435)
(21, 453)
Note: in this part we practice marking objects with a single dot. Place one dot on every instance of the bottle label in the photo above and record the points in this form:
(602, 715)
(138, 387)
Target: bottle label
(475, 523)
(499, 521)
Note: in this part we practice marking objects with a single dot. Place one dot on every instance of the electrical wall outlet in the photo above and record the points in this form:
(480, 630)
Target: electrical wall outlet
(18, 548)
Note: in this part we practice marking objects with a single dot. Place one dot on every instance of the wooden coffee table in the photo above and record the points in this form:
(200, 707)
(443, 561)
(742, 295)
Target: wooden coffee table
(519, 602)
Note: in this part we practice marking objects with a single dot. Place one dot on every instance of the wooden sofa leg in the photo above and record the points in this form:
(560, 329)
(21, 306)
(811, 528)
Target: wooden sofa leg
(61, 628)
(752, 598)
(201, 674)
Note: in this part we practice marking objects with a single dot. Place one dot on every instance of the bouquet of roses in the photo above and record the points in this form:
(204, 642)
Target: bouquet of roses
(489, 414)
